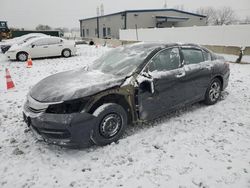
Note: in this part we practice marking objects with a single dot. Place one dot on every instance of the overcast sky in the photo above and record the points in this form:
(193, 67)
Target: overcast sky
(66, 13)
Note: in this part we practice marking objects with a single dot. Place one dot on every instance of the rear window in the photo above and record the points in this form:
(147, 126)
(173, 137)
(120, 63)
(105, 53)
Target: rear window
(207, 56)
(54, 41)
(192, 56)
(41, 42)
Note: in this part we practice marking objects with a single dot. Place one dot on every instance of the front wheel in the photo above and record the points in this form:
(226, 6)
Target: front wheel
(66, 53)
(111, 123)
(213, 92)
(22, 56)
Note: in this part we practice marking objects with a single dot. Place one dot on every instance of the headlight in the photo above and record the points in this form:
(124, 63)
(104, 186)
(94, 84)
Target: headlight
(67, 107)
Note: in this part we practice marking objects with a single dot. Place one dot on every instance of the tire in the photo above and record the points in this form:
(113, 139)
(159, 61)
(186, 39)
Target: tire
(213, 92)
(66, 53)
(22, 56)
(91, 43)
(111, 124)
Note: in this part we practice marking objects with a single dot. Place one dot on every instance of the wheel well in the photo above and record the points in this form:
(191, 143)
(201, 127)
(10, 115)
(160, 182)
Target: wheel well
(114, 98)
(221, 80)
(21, 52)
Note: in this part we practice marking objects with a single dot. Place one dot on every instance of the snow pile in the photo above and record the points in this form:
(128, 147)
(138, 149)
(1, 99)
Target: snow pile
(198, 146)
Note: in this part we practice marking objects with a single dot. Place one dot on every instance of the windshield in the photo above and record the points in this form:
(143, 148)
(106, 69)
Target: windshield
(122, 61)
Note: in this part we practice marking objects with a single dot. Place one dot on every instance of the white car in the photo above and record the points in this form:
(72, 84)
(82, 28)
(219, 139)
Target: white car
(6, 44)
(42, 47)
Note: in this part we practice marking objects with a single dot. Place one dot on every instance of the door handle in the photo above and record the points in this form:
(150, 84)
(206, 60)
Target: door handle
(205, 67)
(181, 74)
(45, 47)
(60, 45)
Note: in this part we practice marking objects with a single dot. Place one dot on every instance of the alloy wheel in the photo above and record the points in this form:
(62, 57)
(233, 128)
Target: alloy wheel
(214, 92)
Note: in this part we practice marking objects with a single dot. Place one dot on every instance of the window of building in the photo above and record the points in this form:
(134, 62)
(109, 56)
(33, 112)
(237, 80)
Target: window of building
(96, 32)
(83, 33)
(87, 32)
(192, 56)
(108, 31)
(104, 32)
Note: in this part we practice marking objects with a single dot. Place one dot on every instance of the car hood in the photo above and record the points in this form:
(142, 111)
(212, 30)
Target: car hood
(72, 85)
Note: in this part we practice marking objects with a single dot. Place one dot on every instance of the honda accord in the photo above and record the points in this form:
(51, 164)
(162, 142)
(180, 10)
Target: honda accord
(129, 84)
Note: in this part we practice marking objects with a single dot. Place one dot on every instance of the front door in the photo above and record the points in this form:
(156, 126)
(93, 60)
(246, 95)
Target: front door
(39, 48)
(166, 73)
(55, 46)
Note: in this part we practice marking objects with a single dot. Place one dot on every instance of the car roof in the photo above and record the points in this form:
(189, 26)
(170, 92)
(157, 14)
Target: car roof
(42, 37)
(161, 45)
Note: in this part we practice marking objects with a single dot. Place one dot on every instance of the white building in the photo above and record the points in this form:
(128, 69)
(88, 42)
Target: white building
(109, 25)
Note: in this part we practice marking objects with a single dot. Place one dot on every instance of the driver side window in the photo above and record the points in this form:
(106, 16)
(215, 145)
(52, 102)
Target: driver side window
(41, 42)
(165, 60)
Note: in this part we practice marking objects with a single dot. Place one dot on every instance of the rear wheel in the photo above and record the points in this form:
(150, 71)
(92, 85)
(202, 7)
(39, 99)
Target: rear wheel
(213, 93)
(66, 53)
(22, 56)
(111, 123)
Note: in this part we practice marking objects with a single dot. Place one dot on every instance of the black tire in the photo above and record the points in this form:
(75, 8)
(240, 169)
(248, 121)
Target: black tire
(213, 92)
(111, 124)
(66, 53)
(22, 56)
(91, 43)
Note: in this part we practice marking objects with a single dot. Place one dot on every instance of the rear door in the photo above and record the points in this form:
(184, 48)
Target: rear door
(166, 72)
(39, 48)
(198, 69)
(55, 46)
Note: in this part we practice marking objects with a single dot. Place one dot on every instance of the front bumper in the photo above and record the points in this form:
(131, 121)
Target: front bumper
(11, 55)
(72, 130)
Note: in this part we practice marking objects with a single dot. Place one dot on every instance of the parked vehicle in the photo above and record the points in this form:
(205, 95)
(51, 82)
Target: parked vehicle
(42, 47)
(5, 45)
(4, 31)
(134, 83)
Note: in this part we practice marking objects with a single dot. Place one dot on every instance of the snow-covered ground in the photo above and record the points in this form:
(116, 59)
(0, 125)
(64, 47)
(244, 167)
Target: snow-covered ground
(199, 146)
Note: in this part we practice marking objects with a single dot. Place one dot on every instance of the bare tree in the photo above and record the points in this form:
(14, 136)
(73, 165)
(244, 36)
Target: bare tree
(62, 29)
(222, 16)
(225, 16)
(210, 14)
(41, 27)
(247, 20)
(179, 7)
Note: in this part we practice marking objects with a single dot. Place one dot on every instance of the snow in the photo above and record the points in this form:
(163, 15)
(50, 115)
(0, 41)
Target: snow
(233, 58)
(198, 146)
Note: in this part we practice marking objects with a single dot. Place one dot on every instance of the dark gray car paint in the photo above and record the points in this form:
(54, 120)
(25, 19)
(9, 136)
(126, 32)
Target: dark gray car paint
(80, 124)
(172, 91)
(72, 84)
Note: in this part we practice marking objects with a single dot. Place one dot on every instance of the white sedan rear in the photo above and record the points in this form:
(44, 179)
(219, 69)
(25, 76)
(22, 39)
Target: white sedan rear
(42, 47)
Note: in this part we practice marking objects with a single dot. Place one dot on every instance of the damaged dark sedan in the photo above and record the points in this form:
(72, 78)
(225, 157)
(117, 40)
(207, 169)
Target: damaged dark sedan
(138, 82)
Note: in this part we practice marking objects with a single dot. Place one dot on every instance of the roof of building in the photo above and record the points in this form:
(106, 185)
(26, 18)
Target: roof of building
(146, 10)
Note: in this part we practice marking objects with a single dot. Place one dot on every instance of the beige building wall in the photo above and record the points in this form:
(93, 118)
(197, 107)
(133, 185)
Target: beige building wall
(148, 19)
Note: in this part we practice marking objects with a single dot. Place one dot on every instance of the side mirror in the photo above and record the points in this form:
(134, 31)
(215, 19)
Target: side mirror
(147, 86)
(147, 82)
(146, 74)
(33, 45)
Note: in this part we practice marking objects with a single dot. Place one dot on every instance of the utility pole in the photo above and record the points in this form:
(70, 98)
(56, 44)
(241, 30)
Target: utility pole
(165, 5)
(136, 31)
(97, 21)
